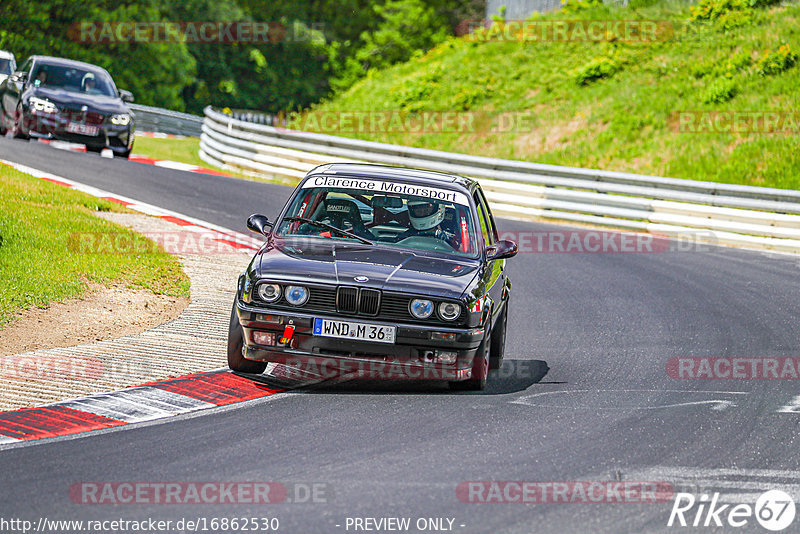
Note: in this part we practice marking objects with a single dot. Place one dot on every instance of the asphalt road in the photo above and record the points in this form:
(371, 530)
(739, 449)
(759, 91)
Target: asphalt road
(584, 395)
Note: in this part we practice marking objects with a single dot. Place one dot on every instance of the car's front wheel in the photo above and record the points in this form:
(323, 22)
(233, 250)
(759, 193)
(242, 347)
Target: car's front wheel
(16, 128)
(499, 340)
(480, 369)
(124, 155)
(236, 360)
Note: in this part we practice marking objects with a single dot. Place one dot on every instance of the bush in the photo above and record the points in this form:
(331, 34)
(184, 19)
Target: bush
(576, 6)
(719, 91)
(599, 67)
(776, 62)
(727, 10)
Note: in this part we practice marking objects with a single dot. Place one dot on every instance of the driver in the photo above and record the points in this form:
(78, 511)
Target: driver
(426, 217)
(88, 82)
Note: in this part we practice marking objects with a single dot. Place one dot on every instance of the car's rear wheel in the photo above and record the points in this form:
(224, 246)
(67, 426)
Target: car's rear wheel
(480, 369)
(236, 360)
(499, 340)
(123, 155)
(94, 149)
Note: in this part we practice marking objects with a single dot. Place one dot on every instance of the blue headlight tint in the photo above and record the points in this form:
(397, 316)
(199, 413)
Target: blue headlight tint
(296, 295)
(421, 308)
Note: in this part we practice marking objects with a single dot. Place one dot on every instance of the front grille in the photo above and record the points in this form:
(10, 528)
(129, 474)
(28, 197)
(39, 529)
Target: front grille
(347, 300)
(358, 301)
(370, 302)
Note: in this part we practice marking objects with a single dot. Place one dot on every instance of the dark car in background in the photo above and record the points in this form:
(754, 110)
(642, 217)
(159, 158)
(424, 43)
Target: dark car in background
(376, 272)
(8, 64)
(56, 98)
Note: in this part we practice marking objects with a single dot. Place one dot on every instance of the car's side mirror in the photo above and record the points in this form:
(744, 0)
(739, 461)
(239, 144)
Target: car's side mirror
(502, 250)
(20, 76)
(126, 96)
(259, 224)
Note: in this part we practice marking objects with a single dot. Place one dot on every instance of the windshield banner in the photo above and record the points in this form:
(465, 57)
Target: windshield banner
(380, 186)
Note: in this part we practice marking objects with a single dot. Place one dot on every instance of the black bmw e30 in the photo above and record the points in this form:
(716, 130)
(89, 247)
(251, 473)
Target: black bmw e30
(376, 272)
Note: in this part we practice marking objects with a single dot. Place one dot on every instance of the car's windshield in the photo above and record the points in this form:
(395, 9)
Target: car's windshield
(77, 80)
(387, 213)
(5, 66)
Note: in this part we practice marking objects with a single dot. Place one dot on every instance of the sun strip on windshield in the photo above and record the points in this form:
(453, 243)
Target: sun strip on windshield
(385, 187)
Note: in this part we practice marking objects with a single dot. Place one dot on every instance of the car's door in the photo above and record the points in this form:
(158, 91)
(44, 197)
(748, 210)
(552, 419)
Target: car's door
(12, 93)
(494, 270)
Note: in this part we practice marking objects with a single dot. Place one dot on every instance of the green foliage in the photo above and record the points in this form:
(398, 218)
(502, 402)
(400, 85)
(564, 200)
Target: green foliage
(719, 91)
(624, 122)
(406, 27)
(731, 13)
(776, 62)
(596, 69)
(577, 6)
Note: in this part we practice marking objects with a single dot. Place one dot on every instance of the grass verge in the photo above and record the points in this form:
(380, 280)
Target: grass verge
(39, 222)
(611, 104)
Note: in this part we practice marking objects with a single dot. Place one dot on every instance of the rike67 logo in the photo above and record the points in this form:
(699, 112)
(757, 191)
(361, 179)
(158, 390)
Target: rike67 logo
(774, 510)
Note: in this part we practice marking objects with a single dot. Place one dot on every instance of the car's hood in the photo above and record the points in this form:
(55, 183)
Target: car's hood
(388, 269)
(96, 103)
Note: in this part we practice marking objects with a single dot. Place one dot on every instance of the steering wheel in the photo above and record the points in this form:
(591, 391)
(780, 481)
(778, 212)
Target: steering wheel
(426, 243)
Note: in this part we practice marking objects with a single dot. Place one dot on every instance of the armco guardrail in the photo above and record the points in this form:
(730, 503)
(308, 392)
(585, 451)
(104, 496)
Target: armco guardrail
(149, 119)
(752, 217)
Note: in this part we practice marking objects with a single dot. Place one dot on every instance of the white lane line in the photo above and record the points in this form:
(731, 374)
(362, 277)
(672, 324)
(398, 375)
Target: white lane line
(5, 440)
(135, 205)
(619, 395)
(138, 404)
(176, 165)
(792, 407)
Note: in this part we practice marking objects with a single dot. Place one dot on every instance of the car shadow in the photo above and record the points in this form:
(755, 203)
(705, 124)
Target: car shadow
(513, 377)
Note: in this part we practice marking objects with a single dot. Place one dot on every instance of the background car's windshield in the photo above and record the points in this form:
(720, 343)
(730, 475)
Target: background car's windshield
(438, 226)
(5, 66)
(93, 82)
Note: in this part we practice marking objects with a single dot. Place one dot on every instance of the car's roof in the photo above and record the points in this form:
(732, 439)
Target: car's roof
(6, 54)
(367, 170)
(66, 62)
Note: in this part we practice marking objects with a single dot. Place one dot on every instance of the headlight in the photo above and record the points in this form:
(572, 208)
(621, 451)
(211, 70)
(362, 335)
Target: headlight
(43, 105)
(296, 295)
(421, 308)
(121, 120)
(269, 292)
(449, 311)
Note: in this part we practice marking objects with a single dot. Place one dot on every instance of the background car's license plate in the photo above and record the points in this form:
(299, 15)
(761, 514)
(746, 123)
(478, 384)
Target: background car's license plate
(359, 331)
(83, 129)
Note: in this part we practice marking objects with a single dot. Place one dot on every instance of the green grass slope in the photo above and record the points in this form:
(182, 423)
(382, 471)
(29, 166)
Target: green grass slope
(615, 104)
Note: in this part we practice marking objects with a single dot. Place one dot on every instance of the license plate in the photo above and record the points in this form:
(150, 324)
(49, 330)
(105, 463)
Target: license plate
(82, 129)
(357, 331)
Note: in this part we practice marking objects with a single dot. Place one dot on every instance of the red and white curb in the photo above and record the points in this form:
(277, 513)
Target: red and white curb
(223, 235)
(149, 402)
(136, 158)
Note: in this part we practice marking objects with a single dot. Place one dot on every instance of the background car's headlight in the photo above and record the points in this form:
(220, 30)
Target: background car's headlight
(269, 292)
(449, 311)
(121, 120)
(43, 105)
(296, 295)
(421, 308)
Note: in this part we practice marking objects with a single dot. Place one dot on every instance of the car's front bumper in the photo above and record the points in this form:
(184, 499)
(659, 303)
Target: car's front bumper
(54, 126)
(413, 355)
